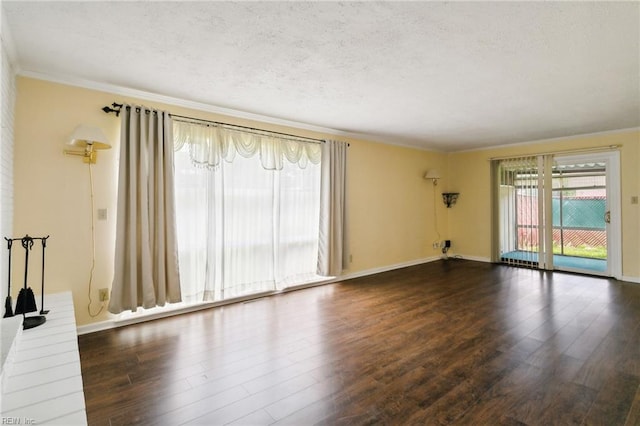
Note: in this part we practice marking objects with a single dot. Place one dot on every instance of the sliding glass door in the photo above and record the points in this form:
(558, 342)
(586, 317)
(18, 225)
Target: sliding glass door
(586, 214)
(559, 212)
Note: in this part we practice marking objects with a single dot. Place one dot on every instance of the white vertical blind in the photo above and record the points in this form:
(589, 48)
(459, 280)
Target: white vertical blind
(545, 200)
(519, 220)
(524, 206)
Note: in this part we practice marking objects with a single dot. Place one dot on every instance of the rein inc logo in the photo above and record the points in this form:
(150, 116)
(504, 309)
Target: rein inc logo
(17, 421)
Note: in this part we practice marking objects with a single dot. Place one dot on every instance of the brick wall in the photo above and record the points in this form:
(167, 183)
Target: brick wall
(8, 96)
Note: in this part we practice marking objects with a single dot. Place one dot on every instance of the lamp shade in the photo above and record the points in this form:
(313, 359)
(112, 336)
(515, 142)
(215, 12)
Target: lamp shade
(432, 174)
(85, 135)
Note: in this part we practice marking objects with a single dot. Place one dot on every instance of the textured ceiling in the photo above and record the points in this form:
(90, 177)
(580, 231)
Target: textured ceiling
(446, 76)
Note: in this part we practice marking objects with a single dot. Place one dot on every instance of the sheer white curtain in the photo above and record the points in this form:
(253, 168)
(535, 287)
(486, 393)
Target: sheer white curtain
(247, 223)
(210, 144)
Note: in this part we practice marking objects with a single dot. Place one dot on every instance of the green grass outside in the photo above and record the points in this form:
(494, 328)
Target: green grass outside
(598, 252)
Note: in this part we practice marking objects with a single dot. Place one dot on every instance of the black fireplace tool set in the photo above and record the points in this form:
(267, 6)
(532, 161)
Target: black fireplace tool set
(26, 300)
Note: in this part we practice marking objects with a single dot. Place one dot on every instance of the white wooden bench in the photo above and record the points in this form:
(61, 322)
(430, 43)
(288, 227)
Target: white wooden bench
(41, 376)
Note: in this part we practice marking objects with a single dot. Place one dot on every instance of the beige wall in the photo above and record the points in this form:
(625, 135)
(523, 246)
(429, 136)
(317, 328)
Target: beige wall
(391, 211)
(52, 190)
(391, 214)
(470, 219)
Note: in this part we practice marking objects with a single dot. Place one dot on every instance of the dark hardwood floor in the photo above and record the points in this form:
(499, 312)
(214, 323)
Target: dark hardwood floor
(450, 342)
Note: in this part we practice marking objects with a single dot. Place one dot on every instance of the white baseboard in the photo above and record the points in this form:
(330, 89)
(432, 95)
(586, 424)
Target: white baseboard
(95, 326)
(160, 312)
(474, 258)
(113, 323)
(351, 275)
(134, 319)
(635, 280)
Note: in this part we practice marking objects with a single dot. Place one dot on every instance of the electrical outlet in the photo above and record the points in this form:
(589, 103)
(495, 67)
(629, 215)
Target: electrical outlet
(436, 245)
(103, 294)
(102, 214)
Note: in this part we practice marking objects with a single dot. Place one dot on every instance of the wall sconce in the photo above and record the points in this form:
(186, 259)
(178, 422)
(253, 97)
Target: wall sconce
(91, 139)
(433, 175)
(450, 198)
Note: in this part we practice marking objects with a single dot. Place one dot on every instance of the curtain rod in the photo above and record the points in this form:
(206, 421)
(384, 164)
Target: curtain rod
(249, 129)
(116, 108)
(572, 151)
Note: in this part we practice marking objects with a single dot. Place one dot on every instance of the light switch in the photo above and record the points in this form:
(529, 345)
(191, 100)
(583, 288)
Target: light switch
(634, 199)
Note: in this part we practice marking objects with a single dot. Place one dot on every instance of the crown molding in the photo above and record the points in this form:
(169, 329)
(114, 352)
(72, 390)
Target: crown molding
(229, 112)
(556, 139)
(170, 100)
(204, 107)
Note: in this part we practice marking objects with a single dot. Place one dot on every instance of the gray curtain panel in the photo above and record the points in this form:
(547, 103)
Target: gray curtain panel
(146, 259)
(332, 244)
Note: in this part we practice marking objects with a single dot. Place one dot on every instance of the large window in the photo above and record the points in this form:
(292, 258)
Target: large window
(243, 228)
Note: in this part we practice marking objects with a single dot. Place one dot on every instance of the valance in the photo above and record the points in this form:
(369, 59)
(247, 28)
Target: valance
(209, 144)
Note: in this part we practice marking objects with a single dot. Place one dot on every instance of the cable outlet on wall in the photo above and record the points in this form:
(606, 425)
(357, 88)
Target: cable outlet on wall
(103, 294)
